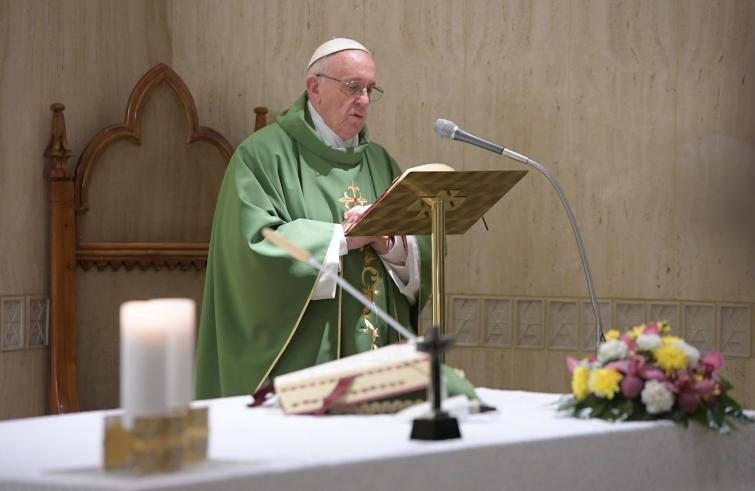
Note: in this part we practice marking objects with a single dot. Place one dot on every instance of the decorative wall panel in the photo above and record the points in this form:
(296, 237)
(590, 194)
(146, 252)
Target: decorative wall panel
(38, 310)
(589, 337)
(700, 325)
(629, 314)
(13, 311)
(530, 323)
(668, 312)
(562, 324)
(735, 322)
(465, 320)
(498, 321)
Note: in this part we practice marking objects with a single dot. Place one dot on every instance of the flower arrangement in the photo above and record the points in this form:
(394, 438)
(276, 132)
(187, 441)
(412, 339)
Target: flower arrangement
(646, 373)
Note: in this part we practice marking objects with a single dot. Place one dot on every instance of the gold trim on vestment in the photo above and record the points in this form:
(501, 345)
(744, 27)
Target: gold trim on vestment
(370, 289)
(395, 311)
(340, 307)
(293, 331)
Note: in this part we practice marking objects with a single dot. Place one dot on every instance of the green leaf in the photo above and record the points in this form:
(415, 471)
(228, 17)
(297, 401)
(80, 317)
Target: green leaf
(725, 384)
(679, 416)
(716, 418)
(600, 407)
(626, 407)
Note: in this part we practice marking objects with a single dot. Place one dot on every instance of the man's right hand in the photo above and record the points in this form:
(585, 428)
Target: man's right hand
(358, 242)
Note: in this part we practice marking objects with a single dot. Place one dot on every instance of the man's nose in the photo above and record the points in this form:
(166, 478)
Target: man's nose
(363, 97)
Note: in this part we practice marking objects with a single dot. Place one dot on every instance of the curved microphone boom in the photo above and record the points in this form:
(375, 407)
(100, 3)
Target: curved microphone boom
(447, 129)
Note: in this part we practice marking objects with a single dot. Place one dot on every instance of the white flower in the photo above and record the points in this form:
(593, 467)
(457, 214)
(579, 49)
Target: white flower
(615, 349)
(656, 397)
(693, 355)
(648, 342)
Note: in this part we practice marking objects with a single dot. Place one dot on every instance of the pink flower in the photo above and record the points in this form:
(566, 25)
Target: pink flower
(652, 372)
(636, 371)
(572, 363)
(711, 363)
(629, 342)
(631, 386)
(687, 401)
(689, 392)
(651, 328)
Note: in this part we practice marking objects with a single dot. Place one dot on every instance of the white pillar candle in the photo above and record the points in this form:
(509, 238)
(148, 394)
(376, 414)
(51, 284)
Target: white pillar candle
(181, 338)
(157, 352)
(144, 378)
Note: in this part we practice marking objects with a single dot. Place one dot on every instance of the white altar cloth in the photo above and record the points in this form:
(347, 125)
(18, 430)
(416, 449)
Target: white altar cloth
(526, 445)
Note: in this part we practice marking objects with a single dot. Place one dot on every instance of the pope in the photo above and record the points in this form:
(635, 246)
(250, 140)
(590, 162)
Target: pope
(309, 175)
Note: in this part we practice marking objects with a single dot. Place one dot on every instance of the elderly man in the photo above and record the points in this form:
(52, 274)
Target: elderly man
(308, 175)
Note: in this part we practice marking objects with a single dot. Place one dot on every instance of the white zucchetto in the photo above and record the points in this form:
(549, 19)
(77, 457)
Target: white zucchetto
(334, 46)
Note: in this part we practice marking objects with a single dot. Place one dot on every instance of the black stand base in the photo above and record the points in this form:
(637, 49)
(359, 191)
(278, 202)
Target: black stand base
(440, 427)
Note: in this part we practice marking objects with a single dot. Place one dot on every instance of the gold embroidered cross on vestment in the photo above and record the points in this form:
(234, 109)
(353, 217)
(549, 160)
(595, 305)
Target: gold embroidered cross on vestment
(353, 200)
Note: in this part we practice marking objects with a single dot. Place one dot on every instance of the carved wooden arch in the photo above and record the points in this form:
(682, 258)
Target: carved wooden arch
(68, 200)
(131, 128)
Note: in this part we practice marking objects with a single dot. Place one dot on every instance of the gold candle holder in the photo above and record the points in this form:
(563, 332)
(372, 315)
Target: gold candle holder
(196, 436)
(156, 443)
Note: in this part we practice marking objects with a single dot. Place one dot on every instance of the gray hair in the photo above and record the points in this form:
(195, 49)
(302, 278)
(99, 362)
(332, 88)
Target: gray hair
(320, 65)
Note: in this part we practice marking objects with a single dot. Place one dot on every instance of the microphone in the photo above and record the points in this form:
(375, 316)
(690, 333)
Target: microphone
(448, 129)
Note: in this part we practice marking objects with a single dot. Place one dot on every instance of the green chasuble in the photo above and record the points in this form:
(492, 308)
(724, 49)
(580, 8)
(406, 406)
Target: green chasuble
(258, 319)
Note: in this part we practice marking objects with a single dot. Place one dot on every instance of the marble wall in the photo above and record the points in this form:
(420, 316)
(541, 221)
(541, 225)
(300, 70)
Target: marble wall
(642, 110)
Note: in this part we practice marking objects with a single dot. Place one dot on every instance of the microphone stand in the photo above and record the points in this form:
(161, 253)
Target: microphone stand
(447, 129)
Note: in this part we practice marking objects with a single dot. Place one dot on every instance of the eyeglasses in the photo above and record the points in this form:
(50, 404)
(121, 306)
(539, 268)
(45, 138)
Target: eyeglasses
(352, 88)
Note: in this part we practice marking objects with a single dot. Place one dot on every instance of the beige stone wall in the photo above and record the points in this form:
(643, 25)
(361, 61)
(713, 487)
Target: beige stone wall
(87, 55)
(643, 110)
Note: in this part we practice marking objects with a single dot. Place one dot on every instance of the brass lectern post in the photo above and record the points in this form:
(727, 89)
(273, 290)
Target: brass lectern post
(438, 211)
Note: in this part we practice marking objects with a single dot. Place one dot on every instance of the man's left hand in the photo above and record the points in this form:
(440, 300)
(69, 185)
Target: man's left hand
(381, 243)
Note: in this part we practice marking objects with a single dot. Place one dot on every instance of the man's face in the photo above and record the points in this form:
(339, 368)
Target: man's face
(344, 114)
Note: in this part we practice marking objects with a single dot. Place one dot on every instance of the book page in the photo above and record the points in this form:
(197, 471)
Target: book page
(432, 167)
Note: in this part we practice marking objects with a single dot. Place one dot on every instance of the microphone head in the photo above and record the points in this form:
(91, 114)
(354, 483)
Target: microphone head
(445, 128)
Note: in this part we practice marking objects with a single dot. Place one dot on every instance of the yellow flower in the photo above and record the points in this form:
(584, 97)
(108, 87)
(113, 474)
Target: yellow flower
(604, 382)
(612, 334)
(669, 356)
(664, 327)
(579, 382)
(636, 331)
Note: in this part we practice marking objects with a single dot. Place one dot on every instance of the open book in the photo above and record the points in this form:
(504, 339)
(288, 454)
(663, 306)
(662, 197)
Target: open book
(373, 375)
(355, 229)
(404, 208)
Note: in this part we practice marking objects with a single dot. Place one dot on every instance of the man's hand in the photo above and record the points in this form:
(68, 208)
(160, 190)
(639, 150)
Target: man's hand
(381, 243)
(353, 215)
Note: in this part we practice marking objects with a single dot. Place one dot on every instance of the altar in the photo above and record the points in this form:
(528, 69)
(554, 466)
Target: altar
(525, 445)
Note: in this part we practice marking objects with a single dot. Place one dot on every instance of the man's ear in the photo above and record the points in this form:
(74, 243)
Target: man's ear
(313, 89)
